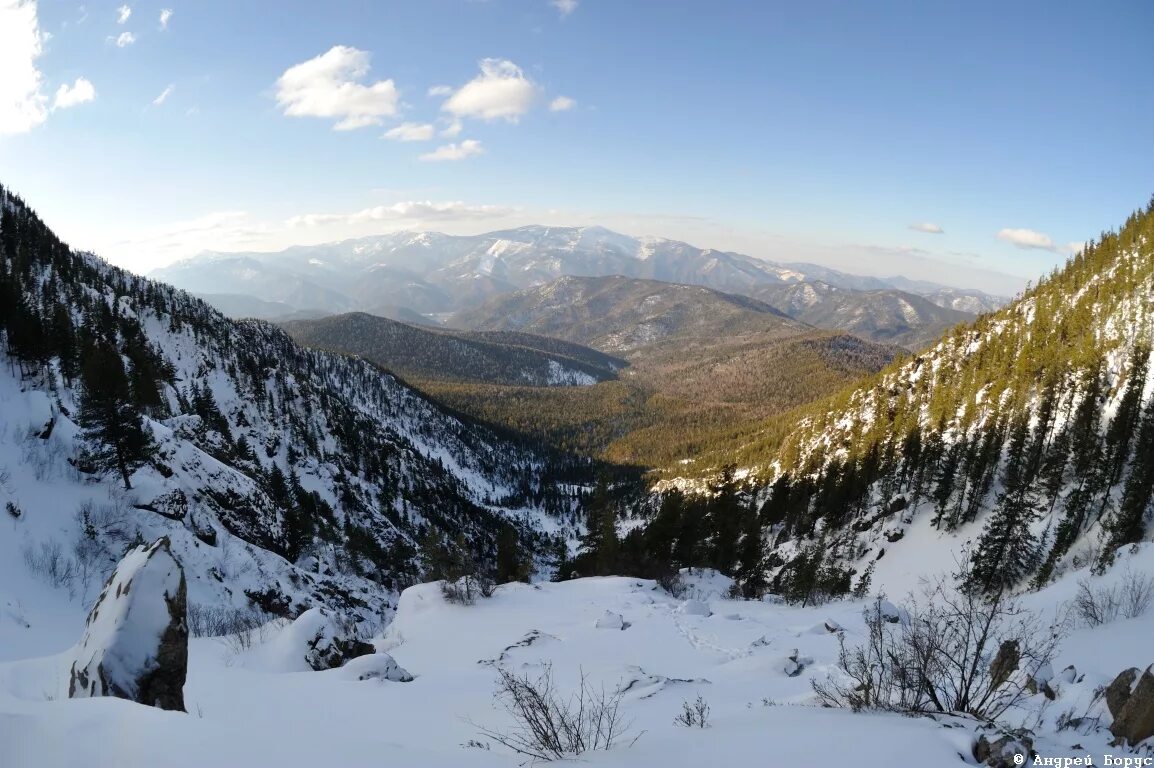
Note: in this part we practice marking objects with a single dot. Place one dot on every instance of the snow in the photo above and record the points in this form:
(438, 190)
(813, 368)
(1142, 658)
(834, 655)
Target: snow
(752, 661)
(561, 376)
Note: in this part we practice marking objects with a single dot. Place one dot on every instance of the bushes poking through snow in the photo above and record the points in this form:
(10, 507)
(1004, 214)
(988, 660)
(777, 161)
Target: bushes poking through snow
(548, 726)
(222, 621)
(1129, 599)
(48, 563)
(956, 651)
(694, 714)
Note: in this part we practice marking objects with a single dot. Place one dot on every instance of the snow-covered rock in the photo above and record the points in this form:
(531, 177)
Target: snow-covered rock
(376, 666)
(611, 620)
(135, 643)
(323, 639)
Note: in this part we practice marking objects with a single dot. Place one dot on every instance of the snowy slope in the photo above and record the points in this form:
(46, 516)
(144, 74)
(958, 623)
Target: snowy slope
(377, 465)
(243, 703)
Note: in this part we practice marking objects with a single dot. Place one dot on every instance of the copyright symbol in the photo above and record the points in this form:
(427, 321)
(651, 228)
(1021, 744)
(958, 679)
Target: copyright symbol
(1019, 759)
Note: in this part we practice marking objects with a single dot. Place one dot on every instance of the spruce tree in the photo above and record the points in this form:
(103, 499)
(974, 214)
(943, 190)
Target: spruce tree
(1007, 550)
(112, 426)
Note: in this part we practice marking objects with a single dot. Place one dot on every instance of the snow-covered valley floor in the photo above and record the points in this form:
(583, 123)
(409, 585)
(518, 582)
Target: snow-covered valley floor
(255, 707)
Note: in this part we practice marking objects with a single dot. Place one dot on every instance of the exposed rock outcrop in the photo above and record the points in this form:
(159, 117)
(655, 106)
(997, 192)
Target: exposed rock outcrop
(1134, 722)
(135, 643)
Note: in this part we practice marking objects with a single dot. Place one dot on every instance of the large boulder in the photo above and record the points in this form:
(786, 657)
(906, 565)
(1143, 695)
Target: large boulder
(1004, 749)
(135, 643)
(1118, 692)
(1134, 723)
(329, 640)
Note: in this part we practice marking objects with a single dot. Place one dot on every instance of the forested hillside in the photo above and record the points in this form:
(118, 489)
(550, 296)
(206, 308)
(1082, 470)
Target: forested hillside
(703, 367)
(316, 475)
(493, 357)
(1022, 443)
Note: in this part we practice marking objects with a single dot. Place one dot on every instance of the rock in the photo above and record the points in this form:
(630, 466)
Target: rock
(1118, 692)
(1000, 753)
(329, 642)
(832, 626)
(1005, 663)
(135, 643)
(173, 505)
(891, 613)
(610, 620)
(377, 666)
(795, 663)
(696, 608)
(1135, 722)
(1039, 681)
(1069, 674)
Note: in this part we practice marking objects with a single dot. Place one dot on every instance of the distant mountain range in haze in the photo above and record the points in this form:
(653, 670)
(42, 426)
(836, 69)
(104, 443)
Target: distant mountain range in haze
(428, 276)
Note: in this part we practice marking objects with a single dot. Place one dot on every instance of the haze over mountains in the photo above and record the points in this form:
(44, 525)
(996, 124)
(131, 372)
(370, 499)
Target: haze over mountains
(407, 275)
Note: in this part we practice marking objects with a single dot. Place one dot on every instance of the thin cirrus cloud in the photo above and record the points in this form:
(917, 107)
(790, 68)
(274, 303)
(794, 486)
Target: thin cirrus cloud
(123, 14)
(409, 211)
(412, 132)
(564, 7)
(928, 228)
(440, 90)
(80, 92)
(163, 97)
(450, 152)
(332, 86)
(500, 92)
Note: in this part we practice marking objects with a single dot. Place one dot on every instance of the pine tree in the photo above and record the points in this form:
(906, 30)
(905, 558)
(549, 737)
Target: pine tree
(751, 558)
(725, 518)
(511, 564)
(110, 422)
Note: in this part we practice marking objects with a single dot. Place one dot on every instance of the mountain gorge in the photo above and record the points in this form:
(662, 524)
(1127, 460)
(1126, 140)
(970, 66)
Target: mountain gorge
(701, 364)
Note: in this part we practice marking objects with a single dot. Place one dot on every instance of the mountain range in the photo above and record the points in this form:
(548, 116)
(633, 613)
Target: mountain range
(408, 274)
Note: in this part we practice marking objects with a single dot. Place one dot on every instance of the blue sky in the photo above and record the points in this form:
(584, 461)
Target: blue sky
(815, 131)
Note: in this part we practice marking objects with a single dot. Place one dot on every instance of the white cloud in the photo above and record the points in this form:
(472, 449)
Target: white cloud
(163, 97)
(466, 148)
(80, 92)
(452, 130)
(412, 132)
(122, 14)
(124, 39)
(500, 92)
(329, 86)
(564, 7)
(22, 102)
(562, 104)
(1028, 238)
(928, 228)
(412, 211)
(165, 15)
(440, 90)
